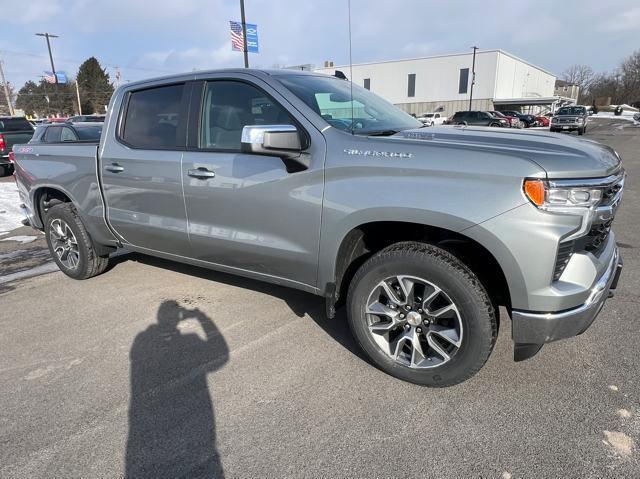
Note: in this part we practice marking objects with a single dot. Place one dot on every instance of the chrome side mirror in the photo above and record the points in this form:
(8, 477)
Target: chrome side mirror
(274, 140)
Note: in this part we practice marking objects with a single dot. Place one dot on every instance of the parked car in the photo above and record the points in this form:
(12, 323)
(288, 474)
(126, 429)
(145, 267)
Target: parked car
(86, 119)
(12, 130)
(526, 120)
(432, 119)
(421, 233)
(67, 132)
(570, 118)
(512, 121)
(542, 121)
(477, 118)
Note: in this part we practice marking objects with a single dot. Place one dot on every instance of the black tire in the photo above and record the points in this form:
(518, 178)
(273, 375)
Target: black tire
(580, 131)
(494, 125)
(89, 263)
(462, 123)
(427, 261)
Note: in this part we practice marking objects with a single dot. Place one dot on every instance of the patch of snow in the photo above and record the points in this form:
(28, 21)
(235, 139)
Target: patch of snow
(10, 214)
(21, 239)
(626, 115)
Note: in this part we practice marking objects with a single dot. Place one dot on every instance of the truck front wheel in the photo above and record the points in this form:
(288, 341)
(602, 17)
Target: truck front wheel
(421, 315)
(70, 245)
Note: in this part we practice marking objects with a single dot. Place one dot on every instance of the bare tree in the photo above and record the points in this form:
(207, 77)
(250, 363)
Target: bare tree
(581, 75)
(629, 78)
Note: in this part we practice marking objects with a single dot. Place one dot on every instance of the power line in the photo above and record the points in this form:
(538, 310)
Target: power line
(76, 61)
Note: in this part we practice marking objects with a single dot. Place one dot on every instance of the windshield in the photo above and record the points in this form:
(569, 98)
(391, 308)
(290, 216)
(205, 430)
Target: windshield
(572, 110)
(89, 132)
(427, 115)
(331, 98)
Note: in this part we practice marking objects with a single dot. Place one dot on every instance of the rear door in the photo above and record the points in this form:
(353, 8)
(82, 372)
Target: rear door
(253, 213)
(141, 170)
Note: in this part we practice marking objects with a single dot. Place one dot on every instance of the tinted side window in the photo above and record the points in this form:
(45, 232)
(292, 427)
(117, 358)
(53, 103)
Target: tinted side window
(53, 134)
(231, 105)
(367, 83)
(68, 135)
(154, 117)
(464, 80)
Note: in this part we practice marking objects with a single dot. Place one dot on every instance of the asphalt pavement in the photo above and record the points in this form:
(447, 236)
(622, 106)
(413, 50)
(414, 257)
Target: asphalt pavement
(156, 369)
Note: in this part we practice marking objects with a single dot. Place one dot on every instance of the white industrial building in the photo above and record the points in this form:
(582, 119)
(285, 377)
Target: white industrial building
(443, 83)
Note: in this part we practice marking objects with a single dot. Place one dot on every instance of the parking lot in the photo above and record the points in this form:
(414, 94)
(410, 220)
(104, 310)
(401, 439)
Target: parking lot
(231, 376)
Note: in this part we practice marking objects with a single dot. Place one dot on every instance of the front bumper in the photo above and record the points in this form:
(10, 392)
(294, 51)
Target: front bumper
(532, 329)
(566, 126)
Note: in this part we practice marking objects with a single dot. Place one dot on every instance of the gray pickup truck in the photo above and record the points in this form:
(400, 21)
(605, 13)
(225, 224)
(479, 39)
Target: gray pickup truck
(291, 178)
(570, 118)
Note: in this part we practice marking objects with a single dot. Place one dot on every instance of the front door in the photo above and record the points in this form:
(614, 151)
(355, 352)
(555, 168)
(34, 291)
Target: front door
(252, 213)
(141, 171)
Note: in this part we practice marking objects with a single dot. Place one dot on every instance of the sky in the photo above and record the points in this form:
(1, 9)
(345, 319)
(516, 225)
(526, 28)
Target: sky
(154, 37)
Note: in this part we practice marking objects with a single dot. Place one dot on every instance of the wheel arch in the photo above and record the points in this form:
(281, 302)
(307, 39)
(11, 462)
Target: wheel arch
(364, 240)
(42, 195)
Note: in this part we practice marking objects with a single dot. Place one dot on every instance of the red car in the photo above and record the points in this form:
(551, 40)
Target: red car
(511, 120)
(542, 120)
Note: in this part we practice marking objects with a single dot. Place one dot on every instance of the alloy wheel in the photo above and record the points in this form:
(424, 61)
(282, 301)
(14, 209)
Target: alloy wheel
(64, 243)
(414, 322)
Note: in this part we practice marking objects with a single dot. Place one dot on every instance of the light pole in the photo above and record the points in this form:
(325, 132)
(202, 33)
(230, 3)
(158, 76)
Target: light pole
(244, 35)
(473, 76)
(47, 36)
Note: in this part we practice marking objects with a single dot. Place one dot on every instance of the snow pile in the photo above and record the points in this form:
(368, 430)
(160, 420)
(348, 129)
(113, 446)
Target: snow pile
(626, 115)
(10, 214)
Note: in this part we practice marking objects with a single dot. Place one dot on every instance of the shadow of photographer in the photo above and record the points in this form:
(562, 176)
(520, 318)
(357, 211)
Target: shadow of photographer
(171, 419)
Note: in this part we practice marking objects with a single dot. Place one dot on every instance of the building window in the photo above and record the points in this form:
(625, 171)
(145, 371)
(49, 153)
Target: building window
(367, 83)
(464, 80)
(411, 87)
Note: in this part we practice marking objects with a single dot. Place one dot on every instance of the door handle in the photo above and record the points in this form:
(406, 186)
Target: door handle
(114, 168)
(201, 173)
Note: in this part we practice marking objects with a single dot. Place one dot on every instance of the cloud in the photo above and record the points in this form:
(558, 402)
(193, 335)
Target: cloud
(624, 21)
(146, 38)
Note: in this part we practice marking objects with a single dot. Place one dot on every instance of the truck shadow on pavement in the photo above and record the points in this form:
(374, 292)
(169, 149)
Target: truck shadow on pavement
(300, 302)
(171, 420)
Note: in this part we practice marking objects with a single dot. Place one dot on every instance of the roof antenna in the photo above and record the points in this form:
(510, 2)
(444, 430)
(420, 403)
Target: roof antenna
(350, 66)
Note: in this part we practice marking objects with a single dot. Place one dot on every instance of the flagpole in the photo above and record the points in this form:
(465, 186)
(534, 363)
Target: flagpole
(244, 35)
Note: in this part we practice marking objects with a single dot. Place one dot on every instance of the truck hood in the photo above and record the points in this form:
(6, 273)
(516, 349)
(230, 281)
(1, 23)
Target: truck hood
(561, 156)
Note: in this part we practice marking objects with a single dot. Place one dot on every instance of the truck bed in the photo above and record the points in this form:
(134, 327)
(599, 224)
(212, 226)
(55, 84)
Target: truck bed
(70, 167)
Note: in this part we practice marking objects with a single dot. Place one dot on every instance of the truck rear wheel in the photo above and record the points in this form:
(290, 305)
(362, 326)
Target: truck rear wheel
(421, 315)
(70, 245)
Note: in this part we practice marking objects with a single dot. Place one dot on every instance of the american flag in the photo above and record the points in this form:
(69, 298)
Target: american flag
(237, 42)
(49, 77)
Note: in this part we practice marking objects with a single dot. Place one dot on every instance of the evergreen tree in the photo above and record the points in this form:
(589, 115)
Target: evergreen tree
(95, 87)
(31, 99)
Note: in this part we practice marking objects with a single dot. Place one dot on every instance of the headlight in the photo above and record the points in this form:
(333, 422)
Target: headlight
(554, 120)
(579, 120)
(560, 198)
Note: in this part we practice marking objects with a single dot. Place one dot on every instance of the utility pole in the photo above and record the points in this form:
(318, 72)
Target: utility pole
(244, 35)
(6, 90)
(473, 76)
(78, 97)
(47, 36)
